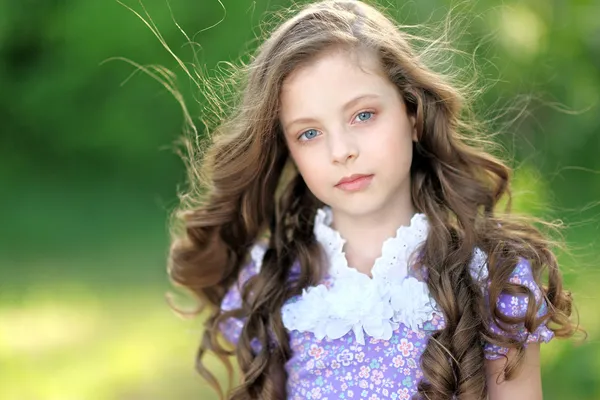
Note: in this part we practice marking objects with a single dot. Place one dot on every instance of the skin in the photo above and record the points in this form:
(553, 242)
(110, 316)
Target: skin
(341, 118)
(527, 385)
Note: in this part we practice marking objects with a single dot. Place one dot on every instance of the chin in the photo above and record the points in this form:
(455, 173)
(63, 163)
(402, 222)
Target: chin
(357, 206)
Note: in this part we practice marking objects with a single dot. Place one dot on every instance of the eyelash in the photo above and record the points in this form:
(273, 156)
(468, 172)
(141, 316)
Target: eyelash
(355, 116)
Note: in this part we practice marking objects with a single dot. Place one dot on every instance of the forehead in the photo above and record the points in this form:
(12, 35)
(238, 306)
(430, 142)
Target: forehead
(333, 78)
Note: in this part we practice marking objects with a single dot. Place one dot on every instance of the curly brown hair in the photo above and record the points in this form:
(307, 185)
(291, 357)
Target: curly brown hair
(243, 190)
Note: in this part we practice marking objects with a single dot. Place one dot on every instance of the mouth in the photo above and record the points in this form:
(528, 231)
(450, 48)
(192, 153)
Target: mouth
(354, 182)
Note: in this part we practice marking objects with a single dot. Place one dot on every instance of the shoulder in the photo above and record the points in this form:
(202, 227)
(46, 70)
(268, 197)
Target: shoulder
(521, 274)
(254, 262)
(512, 305)
(232, 299)
(231, 327)
(478, 266)
(257, 253)
(510, 302)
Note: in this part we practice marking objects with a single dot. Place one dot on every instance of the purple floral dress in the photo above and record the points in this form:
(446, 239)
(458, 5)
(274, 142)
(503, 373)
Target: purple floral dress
(355, 336)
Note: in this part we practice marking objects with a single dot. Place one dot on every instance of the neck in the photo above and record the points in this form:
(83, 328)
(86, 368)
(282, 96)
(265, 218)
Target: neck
(365, 233)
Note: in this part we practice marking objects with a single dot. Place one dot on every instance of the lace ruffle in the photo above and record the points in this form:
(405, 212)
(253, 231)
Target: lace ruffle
(257, 252)
(478, 267)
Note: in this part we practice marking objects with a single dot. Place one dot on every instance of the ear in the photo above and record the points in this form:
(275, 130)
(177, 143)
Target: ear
(413, 124)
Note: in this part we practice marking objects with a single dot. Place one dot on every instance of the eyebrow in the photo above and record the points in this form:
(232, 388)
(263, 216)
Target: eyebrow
(345, 107)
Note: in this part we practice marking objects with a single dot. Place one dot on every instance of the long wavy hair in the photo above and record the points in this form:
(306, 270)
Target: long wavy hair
(245, 189)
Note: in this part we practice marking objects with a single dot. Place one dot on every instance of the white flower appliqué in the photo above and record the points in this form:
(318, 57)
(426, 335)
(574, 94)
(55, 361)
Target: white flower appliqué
(355, 302)
(412, 303)
(352, 305)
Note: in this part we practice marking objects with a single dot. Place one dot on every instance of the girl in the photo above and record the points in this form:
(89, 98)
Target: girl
(347, 242)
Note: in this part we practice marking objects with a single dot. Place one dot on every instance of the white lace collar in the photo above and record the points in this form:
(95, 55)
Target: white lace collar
(354, 302)
(393, 262)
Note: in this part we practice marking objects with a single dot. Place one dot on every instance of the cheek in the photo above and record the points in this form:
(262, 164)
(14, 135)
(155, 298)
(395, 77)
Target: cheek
(309, 166)
(394, 133)
(394, 146)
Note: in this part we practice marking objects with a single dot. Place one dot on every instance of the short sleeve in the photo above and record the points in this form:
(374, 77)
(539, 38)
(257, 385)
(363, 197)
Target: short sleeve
(512, 305)
(231, 328)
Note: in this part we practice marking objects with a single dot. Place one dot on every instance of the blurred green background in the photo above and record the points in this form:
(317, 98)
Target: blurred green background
(88, 177)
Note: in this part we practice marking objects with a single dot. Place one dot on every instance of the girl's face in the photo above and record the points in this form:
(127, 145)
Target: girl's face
(348, 133)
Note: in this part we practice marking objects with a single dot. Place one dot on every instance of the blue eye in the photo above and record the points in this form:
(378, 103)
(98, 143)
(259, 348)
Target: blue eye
(309, 134)
(364, 116)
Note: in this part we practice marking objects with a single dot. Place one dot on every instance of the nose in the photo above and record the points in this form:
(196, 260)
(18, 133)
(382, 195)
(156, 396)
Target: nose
(342, 147)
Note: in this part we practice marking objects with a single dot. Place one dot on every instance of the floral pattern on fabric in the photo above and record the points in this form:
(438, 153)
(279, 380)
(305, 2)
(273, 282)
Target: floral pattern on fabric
(516, 306)
(345, 369)
(232, 327)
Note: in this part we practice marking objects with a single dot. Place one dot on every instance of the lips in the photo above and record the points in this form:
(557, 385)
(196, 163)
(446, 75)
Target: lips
(354, 182)
(351, 178)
